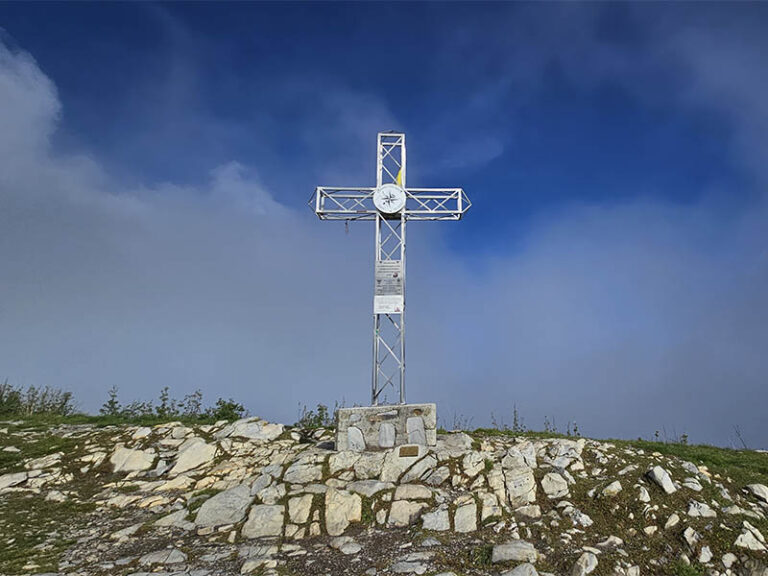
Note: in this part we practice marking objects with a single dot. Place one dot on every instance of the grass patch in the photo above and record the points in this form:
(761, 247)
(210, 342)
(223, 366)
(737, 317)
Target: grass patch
(481, 555)
(33, 531)
(742, 466)
(32, 448)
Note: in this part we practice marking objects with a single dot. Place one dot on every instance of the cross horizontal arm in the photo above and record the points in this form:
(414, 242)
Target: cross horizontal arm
(336, 203)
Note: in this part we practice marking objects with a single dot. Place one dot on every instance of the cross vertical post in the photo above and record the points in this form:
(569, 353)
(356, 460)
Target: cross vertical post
(389, 321)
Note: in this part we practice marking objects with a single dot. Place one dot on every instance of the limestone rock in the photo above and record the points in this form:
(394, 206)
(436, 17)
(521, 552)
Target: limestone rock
(700, 510)
(44, 462)
(168, 556)
(465, 517)
(414, 427)
(369, 487)
(264, 520)
(514, 551)
(342, 460)
(228, 507)
(412, 492)
(525, 569)
(438, 520)
(554, 485)
(759, 491)
(386, 435)
(662, 479)
(455, 441)
(521, 486)
(302, 472)
(253, 429)
(299, 508)
(192, 454)
(128, 460)
(612, 489)
(355, 439)
(341, 509)
(176, 519)
(586, 564)
(530, 512)
(8, 480)
(404, 512)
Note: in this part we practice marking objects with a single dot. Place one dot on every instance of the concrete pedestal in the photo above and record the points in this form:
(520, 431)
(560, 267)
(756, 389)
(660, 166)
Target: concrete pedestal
(381, 427)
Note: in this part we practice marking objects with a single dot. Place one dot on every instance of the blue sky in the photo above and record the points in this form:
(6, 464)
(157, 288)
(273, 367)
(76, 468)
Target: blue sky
(158, 159)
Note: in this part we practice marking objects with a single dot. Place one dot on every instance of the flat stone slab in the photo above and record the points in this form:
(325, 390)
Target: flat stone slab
(365, 428)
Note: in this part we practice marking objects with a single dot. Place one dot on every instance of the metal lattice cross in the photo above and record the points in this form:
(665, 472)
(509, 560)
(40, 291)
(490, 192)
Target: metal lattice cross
(390, 204)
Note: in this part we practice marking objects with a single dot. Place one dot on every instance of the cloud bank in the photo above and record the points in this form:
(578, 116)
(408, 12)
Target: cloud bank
(628, 317)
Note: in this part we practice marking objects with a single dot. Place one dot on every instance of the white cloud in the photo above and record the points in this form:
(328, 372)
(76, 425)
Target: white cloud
(628, 318)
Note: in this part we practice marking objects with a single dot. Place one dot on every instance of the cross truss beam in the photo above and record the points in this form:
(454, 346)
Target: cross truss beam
(430, 204)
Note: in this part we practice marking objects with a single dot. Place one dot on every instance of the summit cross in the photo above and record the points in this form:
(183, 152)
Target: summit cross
(390, 204)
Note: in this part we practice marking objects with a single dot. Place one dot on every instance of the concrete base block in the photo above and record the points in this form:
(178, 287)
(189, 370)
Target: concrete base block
(381, 427)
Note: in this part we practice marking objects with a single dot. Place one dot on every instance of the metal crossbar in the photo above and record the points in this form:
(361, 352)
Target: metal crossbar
(425, 204)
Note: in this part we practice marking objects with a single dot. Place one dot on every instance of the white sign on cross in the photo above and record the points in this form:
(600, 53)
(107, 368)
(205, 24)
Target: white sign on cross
(390, 204)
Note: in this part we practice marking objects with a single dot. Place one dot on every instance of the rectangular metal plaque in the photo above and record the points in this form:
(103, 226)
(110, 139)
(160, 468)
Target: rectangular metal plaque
(388, 291)
(389, 278)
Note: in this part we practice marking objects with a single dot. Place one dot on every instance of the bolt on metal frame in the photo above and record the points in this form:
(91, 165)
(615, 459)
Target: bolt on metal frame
(339, 203)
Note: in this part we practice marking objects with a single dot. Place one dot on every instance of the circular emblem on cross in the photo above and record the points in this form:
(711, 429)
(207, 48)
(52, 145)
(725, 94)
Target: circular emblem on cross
(389, 199)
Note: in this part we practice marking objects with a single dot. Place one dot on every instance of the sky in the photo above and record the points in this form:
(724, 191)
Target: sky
(156, 161)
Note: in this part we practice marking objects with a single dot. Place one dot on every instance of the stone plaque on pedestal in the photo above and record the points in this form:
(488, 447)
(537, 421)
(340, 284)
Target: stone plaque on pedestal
(381, 427)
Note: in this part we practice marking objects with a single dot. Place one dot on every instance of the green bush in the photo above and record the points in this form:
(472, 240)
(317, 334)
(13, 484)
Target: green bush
(169, 408)
(321, 417)
(17, 401)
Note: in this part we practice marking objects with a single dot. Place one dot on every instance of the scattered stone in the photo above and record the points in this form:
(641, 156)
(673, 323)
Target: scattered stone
(128, 460)
(705, 555)
(341, 509)
(530, 512)
(404, 512)
(612, 489)
(586, 564)
(672, 521)
(522, 570)
(369, 488)
(700, 510)
(438, 520)
(642, 494)
(251, 428)
(168, 556)
(554, 485)
(8, 480)
(759, 491)
(193, 453)
(299, 508)
(264, 520)
(228, 507)
(662, 479)
(514, 551)
(465, 517)
(729, 559)
(521, 485)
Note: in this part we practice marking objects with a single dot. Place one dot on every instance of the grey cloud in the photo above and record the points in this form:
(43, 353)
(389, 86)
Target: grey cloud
(627, 318)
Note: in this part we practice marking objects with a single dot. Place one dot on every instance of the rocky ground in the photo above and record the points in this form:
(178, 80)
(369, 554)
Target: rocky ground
(251, 497)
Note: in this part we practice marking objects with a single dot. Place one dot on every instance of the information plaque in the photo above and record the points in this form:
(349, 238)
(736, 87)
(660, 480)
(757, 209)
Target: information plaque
(388, 292)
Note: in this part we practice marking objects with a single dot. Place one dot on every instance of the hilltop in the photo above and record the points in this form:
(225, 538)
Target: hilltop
(253, 497)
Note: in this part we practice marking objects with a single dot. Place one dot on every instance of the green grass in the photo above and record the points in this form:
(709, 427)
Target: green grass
(35, 531)
(31, 448)
(46, 420)
(742, 466)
